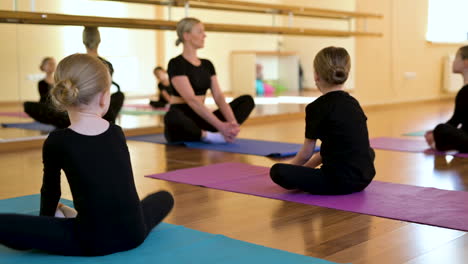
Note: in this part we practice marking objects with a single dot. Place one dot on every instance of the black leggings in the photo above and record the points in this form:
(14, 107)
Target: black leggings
(448, 137)
(319, 181)
(314, 181)
(158, 104)
(60, 235)
(47, 114)
(116, 102)
(181, 123)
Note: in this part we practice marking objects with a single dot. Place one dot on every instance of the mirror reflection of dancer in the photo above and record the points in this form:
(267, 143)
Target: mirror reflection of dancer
(188, 119)
(91, 40)
(48, 65)
(164, 88)
(43, 111)
(93, 153)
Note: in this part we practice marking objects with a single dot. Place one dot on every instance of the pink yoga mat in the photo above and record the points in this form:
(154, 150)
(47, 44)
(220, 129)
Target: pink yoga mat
(14, 114)
(408, 145)
(145, 106)
(429, 206)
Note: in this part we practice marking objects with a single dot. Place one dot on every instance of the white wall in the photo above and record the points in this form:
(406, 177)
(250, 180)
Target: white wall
(9, 66)
(401, 66)
(308, 47)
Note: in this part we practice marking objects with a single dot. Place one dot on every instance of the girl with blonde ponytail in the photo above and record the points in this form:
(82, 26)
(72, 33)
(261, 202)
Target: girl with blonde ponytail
(93, 153)
(336, 118)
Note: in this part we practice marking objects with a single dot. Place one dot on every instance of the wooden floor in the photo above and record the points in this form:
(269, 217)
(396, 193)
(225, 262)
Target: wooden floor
(333, 235)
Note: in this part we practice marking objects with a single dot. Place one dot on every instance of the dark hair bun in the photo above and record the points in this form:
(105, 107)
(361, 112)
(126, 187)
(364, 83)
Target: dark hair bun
(339, 75)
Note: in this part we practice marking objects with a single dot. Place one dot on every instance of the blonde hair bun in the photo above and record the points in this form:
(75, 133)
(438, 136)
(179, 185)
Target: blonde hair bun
(332, 64)
(65, 93)
(78, 78)
(91, 37)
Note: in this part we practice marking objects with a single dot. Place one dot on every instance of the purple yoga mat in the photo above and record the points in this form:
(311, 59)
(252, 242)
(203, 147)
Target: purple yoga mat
(423, 205)
(408, 145)
(399, 144)
(14, 114)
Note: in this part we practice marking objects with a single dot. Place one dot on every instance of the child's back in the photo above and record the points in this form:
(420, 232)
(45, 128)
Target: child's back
(336, 118)
(100, 175)
(95, 158)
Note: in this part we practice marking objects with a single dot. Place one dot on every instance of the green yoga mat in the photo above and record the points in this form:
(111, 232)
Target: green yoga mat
(167, 243)
(142, 112)
(415, 134)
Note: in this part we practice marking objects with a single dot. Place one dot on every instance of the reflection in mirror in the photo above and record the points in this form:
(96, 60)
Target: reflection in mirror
(131, 52)
(134, 53)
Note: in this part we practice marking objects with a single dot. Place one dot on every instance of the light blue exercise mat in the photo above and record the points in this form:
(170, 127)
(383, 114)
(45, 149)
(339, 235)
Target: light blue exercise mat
(167, 243)
(31, 126)
(138, 112)
(415, 134)
(241, 146)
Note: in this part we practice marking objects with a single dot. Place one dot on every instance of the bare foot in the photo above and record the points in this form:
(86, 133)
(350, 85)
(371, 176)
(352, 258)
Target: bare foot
(429, 136)
(66, 211)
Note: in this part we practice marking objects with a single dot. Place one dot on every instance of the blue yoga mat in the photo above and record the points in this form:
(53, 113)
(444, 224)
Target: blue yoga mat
(167, 243)
(242, 146)
(31, 126)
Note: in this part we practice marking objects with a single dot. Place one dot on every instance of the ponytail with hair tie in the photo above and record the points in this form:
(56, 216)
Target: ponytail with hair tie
(185, 25)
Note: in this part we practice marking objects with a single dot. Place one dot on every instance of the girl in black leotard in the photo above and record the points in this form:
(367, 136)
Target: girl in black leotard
(43, 111)
(188, 119)
(45, 85)
(94, 156)
(337, 119)
(164, 88)
(453, 135)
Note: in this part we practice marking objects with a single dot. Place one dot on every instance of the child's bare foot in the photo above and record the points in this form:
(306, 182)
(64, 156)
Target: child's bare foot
(59, 213)
(65, 211)
(429, 136)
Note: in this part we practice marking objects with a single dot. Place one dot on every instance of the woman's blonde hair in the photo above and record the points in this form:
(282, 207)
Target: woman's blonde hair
(184, 26)
(91, 37)
(78, 78)
(463, 51)
(43, 62)
(332, 64)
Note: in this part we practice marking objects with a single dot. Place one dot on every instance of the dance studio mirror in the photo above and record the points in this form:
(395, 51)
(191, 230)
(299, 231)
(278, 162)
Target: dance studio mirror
(284, 64)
